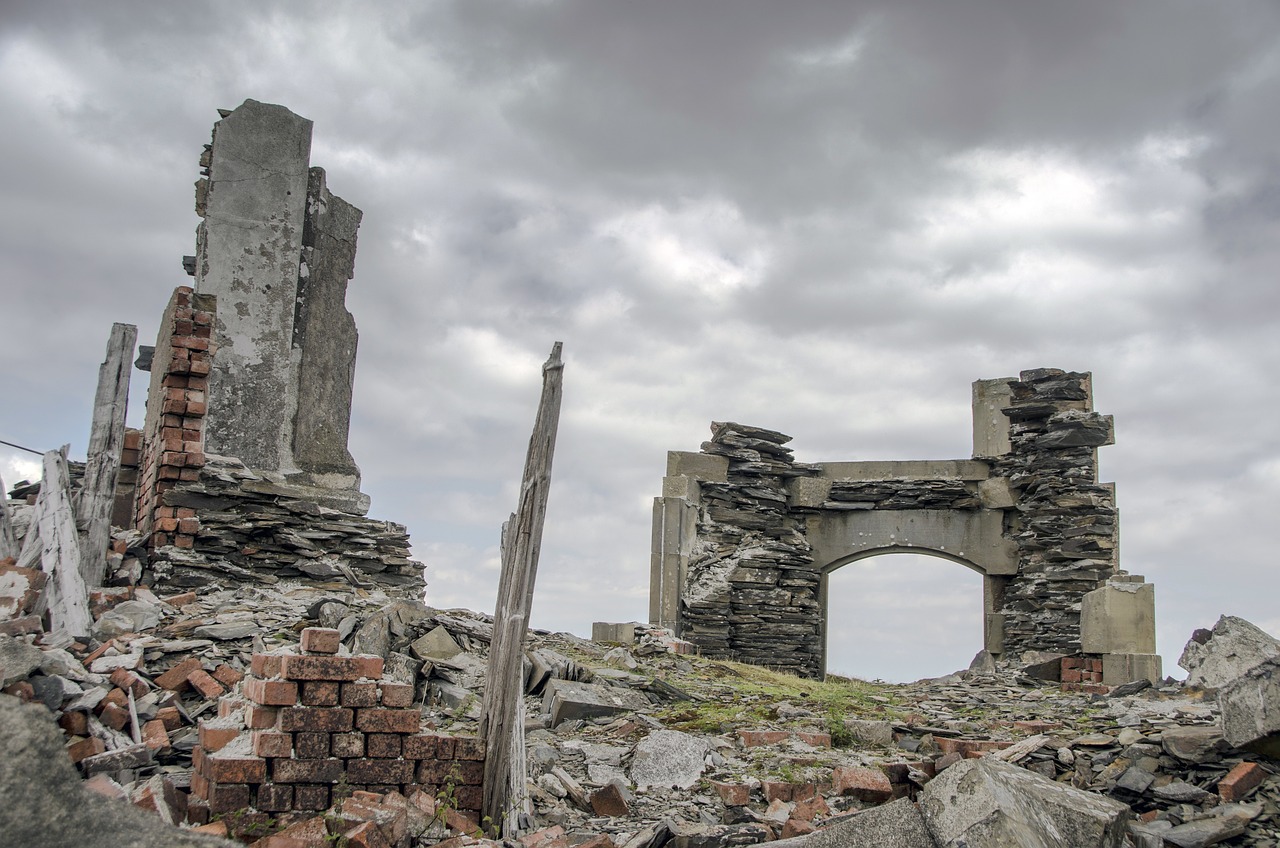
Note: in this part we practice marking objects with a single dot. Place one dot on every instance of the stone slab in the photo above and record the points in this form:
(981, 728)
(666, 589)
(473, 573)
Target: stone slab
(566, 700)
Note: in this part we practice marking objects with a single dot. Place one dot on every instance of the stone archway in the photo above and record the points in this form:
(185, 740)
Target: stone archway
(744, 535)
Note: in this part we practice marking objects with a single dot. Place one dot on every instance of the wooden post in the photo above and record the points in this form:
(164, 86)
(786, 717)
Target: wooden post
(500, 720)
(106, 443)
(8, 538)
(60, 549)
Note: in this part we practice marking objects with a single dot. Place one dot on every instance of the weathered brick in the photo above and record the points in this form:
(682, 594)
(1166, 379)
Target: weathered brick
(75, 723)
(257, 717)
(228, 798)
(321, 640)
(275, 797)
(112, 716)
(379, 771)
(225, 674)
(214, 738)
(316, 719)
(311, 746)
(276, 693)
(374, 720)
(320, 693)
(204, 683)
(396, 694)
(383, 745)
(359, 695)
(311, 798)
(330, 668)
(421, 746)
(865, 784)
(86, 748)
(175, 678)
(154, 735)
(222, 769)
(1240, 781)
(468, 748)
(266, 665)
(757, 738)
(306, 771)
(347, 745)
(365, 835)
(271, 743)
(732, 794)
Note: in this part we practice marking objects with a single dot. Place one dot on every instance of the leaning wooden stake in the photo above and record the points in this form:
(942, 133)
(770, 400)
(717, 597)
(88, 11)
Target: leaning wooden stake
(501, 718)
(106, 443)
(60, 549)
(8, 537)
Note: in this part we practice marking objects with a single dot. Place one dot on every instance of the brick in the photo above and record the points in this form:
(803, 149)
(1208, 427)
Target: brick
(732, 794)
(796, 827)
(257, 717)
(968, 747)
(271, 743)
(862, 783)
(311, 746)
(204, 683)
(433, 772)
(379, 771)
(266, 665)
(1240, 781)
(321, 640)
(112, 716)
(275, 693)
(1072, 662)
(213, 738)
(175, 678)
(275, 797)
(1072, 675)
(86, 748)
(816, 739)
(758, 738)
(311, 798)
(74, 723)
(295, 667)
(306, 771)
(396, 694)
(775, 790)
(365, 835)
(445, 746)
(470, 798)
(359, 695)
(810, 808)
(154, 735)
(384, 745)
(228, 798)
(608, 800)
(419, 747)
(320, 693)
(222, 769)
(125, 679)
(347, 745)
(460, 822)
(375, 720)
(316, 719)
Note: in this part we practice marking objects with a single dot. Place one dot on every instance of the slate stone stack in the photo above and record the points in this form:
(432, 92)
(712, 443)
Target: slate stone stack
(253, 529)
(903, 494)
(312, 726)
(1066, 522)
(765, 609)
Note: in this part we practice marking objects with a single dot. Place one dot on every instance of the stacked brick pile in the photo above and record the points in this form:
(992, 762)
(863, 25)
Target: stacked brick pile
(310, 727)
(172, 449)
(1083, 674)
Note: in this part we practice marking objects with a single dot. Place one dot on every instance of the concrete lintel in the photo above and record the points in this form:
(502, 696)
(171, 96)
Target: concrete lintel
(702, 466)
(680, 486)
(970, 537)
(808, 491)
(907, 469)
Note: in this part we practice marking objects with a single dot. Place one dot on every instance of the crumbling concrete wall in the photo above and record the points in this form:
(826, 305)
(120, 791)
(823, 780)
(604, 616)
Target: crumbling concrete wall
(745, 538)
(277, 249)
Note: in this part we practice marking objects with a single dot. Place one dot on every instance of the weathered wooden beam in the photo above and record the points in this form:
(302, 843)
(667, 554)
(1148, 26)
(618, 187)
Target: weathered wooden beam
(8, 536)
(504, 788)
(60, 549)
(106, 444)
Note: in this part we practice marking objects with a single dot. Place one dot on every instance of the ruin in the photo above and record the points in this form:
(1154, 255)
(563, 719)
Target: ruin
(745, 538)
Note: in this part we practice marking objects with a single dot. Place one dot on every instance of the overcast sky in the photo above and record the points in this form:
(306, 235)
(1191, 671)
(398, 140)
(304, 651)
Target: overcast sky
(822, 218)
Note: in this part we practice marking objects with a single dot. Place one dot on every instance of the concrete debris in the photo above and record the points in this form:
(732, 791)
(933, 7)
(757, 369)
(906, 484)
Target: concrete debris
(1251, 710)
(668, 758)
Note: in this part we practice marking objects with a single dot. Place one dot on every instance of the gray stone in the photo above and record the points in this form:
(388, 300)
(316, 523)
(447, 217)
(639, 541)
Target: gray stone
(374, 636)
(46, 804)
(1215, 658)
(897, 824)
(870, 732)
(126, 617)
(986, 803)
(667, 758)
(1135, 780)
(17, 660)
(1222, 824)
(437, 644)
(52, 690)
(1251, 710)
(1181, 792)
(566, 700)
(1193, 744)
(228, 630)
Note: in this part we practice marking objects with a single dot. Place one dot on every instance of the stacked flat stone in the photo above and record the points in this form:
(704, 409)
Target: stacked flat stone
(313, 725)
(252, 528)
(746, 532)
(903, 494)
(1066, 522)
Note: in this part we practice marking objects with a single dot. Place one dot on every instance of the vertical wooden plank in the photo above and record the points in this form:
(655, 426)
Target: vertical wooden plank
(503, 788)
(60, 549)
(106, 443)
(8, 537)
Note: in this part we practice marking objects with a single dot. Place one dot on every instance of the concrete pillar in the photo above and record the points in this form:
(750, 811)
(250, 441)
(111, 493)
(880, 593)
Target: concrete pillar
(990, 424)
(1119, 618)
(674, 528)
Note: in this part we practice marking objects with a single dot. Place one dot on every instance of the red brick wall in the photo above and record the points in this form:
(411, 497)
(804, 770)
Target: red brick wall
(172, 447)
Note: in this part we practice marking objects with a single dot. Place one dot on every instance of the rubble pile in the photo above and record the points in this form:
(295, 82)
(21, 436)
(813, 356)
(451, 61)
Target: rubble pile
(255, 529)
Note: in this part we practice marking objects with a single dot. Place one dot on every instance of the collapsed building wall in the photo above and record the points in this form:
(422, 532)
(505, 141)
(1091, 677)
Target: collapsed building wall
(745, 538)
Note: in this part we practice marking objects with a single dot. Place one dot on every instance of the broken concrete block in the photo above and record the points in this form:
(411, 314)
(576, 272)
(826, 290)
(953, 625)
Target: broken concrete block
(986, 803)
(1251, 710)
(1119, 669)
(603, 631)
(870, 732)
(1215, 658)
(668, 758)
(1119, 618)
(894, 825)
(566, 700)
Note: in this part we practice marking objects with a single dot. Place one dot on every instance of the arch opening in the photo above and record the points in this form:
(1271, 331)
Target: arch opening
(899, 617)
